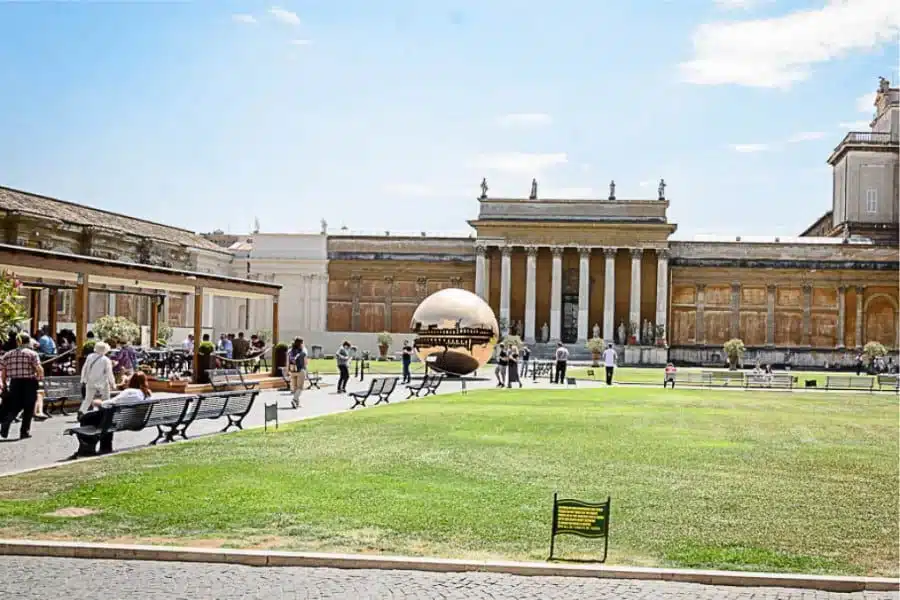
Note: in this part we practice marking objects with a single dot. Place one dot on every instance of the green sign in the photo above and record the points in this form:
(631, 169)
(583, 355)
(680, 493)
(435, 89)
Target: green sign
(584, 519)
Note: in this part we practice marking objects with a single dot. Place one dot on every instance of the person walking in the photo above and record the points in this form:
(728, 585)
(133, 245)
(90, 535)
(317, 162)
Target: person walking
(859, 364)
(126, 362)
(562, 360)
(512, 375)
(526, 356)
(609, 361)
(502, 365)
(22, 368)
(406, 358)
(97, 377)
(342, 356)
(298, 375)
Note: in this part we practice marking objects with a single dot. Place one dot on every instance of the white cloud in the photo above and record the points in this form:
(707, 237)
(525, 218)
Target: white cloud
(747, 148)
(250, 19)
(855, 125)
(866, 103)
(285, 16)
(520, 162)
(780, 51)
(301, 42)
(522, 119)
(805, 136)
(409, 189)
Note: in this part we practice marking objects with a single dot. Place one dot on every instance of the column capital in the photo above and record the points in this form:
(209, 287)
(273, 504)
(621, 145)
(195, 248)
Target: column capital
(584, 251)
(610, 252)
(506, 251)
(355, 278)
(662, 254)
(842, 289)
(532, 251)
(701, 287)
(480, 248)
(807, 288)
(770, 288)
(636, 252)
(735, 286)
(860, 289)
(389, 279)
(557, 251)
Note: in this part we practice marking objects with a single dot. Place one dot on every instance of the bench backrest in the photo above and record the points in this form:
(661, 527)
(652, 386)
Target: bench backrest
(721, 375)
(62, 387)
(131, 416)
(209, 406)
(239, 402)
(169, 411)
(376, 386)
(389, 385)
(233, 377)
(218, 376)
(849, 381)
(888, 380)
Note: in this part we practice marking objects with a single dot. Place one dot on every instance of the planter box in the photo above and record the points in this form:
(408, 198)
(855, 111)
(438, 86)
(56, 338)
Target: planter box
(175, 387)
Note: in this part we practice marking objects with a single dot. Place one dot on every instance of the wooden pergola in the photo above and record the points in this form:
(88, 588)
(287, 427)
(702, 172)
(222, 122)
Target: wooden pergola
(54, 271)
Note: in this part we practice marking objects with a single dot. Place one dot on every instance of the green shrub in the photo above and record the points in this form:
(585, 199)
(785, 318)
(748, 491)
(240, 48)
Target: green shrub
(206, 348)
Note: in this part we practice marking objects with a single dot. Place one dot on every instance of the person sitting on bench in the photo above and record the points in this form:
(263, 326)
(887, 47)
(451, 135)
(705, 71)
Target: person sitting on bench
(87, 445)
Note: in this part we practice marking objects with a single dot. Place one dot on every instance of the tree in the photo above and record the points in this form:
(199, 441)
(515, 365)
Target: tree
(873, 350)
(734, 350)
(116, 328)
(12, 308)
(163, 334)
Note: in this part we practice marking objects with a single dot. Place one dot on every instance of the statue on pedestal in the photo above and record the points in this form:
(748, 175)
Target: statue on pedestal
(533, 195)
(621, 332)
(596, 331)
(662, 189)
(324, 225)
(612, 189)
(545, 332)
(484, 188)
(647, 336)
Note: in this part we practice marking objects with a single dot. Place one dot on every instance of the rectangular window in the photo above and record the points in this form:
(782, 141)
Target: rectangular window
(871, 201)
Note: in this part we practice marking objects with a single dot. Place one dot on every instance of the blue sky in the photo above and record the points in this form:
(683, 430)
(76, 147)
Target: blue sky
(386, 115)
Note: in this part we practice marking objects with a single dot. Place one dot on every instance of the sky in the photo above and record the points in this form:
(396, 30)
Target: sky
(385, 116)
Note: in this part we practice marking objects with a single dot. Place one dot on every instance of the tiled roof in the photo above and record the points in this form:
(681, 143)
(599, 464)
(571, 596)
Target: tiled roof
(79, 214)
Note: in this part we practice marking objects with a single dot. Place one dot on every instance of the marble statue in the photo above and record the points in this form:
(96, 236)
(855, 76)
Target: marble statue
(324, 225)
(612, 189)
(621, 332)
(883, 85)
(484, 188)
(545, 332)
(596, 330)
(533, 195)
(647, 334)
(662, 189)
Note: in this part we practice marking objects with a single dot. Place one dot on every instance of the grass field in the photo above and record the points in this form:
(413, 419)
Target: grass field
(707, 479)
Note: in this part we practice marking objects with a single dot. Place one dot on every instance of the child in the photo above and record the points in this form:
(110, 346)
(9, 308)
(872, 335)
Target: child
(670, 376)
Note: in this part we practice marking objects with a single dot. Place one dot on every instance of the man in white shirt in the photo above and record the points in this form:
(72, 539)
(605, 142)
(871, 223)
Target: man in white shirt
(562, 358)
(188, 344)
(609, 361)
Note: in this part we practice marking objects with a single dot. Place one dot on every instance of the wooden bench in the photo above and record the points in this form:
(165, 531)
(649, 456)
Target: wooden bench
(59, 389)
(223, 379)
(784, 381)
(891, 382)
(724, 378)
(429, 384)
(849, 382)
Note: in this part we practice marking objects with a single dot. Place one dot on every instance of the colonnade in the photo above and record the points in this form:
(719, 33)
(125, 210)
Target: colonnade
(482, 286)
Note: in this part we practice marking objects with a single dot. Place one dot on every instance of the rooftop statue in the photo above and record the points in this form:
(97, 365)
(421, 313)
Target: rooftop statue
(484, 188)
(533, 195)
(612, 189)
(662, 189)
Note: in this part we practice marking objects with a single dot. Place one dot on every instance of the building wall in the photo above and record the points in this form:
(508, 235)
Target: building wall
(856, 173)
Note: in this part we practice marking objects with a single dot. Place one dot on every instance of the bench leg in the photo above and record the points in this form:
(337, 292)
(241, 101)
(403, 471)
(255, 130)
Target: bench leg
(358, 402)
(160, 434)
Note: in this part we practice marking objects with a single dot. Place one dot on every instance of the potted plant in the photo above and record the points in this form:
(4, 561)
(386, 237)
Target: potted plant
(204, 361)
(595, 345)
(734, 350)
(163, 335)
(279, 358)
(384, 342)
(12, 309)
(660, 331)
(116, 328)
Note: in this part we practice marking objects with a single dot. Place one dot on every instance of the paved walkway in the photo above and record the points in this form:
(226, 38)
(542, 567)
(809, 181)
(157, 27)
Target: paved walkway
(27, 578)
(49, 446)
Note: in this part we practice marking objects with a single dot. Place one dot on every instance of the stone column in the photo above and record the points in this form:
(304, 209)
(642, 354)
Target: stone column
(307, 302)
(700, 329)
(505, 283)
(860, 294)
(556, 294)
(388, 303)
(584, 292)
(842, 315)
(805, 337)
(735, 310)
(111, 304)
(530, 292)
(480, 272)
(770, 315)
(634, 305)
(662, 290)
(609, 295)
(323, 302)
(355, 284)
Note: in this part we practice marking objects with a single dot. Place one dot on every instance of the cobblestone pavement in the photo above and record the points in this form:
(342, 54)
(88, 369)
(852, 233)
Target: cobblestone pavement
(26, 578)
(48, 445)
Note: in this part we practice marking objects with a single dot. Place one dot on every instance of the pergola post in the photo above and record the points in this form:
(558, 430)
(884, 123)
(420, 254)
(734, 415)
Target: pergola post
(81, 313)
(154, 320)
(35, 310)
(198, 331)
(51, 311)
(275, 370)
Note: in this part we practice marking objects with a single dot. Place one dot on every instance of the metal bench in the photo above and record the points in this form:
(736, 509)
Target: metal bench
(429, 384)
(891, 382)
(131, 416)
(390, 384)
(223, 379)
(784, 381)
(376, 386)
(59, 389)
(724, 378)
(168, 412)
(541, 369)
(689, 378)
(234, 405)
(314, 380)
(849, 382)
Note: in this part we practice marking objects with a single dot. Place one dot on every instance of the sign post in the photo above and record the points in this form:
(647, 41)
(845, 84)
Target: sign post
(584, 519)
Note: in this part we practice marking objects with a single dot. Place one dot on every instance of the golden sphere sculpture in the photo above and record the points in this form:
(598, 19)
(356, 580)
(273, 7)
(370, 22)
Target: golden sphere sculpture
(455, 331)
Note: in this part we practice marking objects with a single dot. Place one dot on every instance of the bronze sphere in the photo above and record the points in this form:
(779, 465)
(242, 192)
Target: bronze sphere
(455, 331)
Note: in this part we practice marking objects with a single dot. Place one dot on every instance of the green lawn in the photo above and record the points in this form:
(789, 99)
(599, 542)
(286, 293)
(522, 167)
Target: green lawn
(702, 478)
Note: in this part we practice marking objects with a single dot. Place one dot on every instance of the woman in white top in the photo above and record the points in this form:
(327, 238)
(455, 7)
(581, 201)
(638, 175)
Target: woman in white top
(97, 377)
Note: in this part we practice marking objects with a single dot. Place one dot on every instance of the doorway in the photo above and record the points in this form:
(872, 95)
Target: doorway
(569, 333)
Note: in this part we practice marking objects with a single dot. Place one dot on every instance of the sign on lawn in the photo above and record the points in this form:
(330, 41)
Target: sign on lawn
(584, 519)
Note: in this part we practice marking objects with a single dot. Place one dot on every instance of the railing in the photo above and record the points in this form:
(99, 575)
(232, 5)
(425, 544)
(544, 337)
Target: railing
(869, 137)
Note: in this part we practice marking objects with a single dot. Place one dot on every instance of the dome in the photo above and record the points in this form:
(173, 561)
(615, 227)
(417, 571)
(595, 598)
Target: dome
(455, 331)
